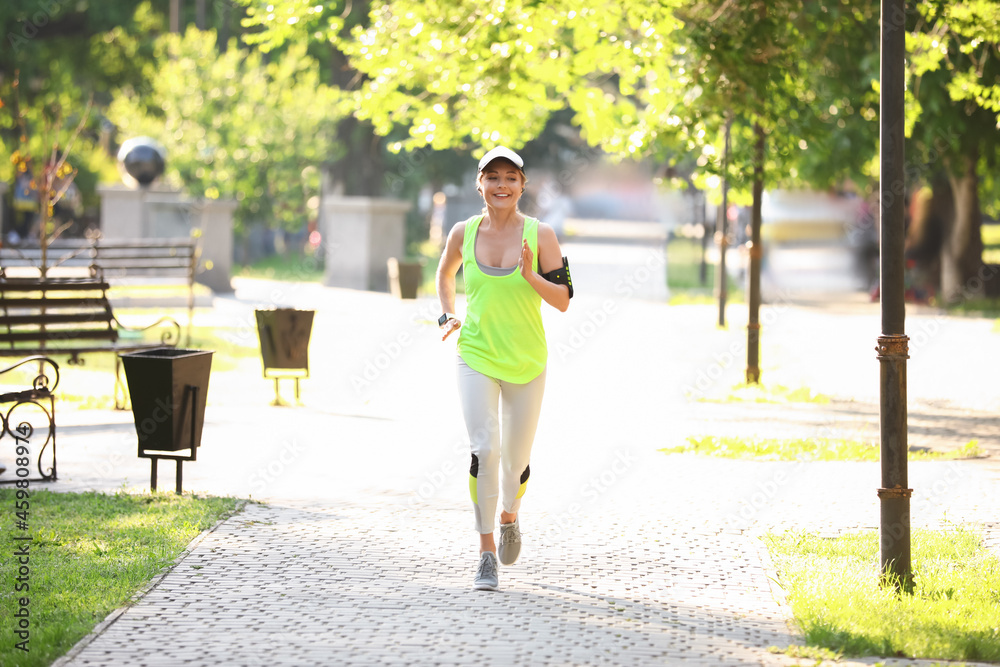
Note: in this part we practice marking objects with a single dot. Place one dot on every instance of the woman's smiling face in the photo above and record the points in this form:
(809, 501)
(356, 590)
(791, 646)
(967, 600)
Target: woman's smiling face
(501, 183)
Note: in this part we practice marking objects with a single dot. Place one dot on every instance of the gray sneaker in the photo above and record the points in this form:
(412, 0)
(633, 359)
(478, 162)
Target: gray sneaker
(486, 575)
(510, 543)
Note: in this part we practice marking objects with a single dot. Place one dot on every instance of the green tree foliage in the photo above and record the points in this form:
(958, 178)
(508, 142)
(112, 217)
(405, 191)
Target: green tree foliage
(641, 78)
(839, 58)
(96, 45)
(954, 69)
(459, 73)
(273, 24)
(797, 72)
(961, 37)
(236, 126)
(65, 54)
(42, 180)
(737, 62)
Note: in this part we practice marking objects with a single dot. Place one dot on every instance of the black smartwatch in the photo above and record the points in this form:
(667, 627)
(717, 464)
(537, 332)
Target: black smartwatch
(444, 319)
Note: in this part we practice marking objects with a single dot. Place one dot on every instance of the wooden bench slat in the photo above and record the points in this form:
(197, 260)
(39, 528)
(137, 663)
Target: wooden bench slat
(67, 285)
(78, 349)
(148, 263)
(179, 241)
(57, 318)
(160, 251)
(66, 302)
(62, 334)
(164, 257)
(70, 244)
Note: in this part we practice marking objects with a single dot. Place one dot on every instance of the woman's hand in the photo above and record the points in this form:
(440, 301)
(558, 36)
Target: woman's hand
(527, 261)
(451, 326)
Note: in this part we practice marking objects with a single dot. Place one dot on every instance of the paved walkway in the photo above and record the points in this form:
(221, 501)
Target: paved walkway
(364, 551)
(307, 584)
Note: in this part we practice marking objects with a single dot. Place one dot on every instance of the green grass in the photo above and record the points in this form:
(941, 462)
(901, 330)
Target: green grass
(684, 275)
(838, 604)
(89, 554)
(760, 393)
(976, 308)
(304, 268)
(811, 449)
(684, 265)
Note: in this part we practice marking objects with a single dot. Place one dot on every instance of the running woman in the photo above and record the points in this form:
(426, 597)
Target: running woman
(510, 263)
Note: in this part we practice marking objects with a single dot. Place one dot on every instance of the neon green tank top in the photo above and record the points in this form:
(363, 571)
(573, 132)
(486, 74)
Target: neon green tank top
(502, 336)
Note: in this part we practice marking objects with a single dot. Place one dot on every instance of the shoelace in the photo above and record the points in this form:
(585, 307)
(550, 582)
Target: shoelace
(487, 567)
(510, 535)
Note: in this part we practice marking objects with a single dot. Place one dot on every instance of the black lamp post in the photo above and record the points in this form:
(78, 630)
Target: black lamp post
(894, 494)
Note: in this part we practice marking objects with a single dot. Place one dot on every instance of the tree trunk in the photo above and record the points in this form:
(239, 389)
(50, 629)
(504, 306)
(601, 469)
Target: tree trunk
(962, 252)
(756, 254)
(223, 39)
(723, 225)
(175, 15)
(361, 172)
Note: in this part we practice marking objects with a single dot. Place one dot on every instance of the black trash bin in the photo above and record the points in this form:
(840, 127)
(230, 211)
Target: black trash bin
(405, 277)
(169, 388)
(284, 344)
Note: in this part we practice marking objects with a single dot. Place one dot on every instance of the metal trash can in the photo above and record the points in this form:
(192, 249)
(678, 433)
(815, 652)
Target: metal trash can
(284, 344)
(169, 389)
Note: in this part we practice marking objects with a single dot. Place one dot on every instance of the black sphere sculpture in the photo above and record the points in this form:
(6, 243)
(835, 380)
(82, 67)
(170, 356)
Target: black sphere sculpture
(143, 159)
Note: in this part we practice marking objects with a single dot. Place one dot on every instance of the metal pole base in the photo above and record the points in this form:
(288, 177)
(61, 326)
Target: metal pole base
(753, 353)
(894, 539)
(894, 496)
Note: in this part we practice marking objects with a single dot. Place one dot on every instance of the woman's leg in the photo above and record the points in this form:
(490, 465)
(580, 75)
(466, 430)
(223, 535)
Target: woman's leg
(522, 404)
(480, 396)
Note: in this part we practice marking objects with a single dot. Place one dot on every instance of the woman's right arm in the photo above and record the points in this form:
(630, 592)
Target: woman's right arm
(451, 260)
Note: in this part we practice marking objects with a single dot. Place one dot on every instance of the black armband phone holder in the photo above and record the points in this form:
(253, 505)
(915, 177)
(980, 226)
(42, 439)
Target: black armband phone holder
(561, 276)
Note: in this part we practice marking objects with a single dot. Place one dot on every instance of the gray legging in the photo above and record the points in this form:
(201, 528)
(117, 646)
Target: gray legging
(498, 445)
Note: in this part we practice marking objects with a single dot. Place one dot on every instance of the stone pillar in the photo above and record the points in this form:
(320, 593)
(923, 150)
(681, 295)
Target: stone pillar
(216, 263)
(360, 234)
(121, 212)
(130, 214)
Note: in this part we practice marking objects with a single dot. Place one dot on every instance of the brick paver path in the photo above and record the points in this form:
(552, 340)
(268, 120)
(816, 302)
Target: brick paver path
(346, 585)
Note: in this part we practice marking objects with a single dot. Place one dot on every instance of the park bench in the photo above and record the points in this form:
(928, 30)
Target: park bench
(19, 437)
(71, 316)
(113, 260)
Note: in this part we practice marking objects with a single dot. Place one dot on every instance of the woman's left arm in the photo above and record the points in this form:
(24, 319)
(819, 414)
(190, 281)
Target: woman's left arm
(549, 259)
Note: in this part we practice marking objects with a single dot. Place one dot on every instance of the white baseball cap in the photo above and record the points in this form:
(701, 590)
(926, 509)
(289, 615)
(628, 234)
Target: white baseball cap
(504, 152)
